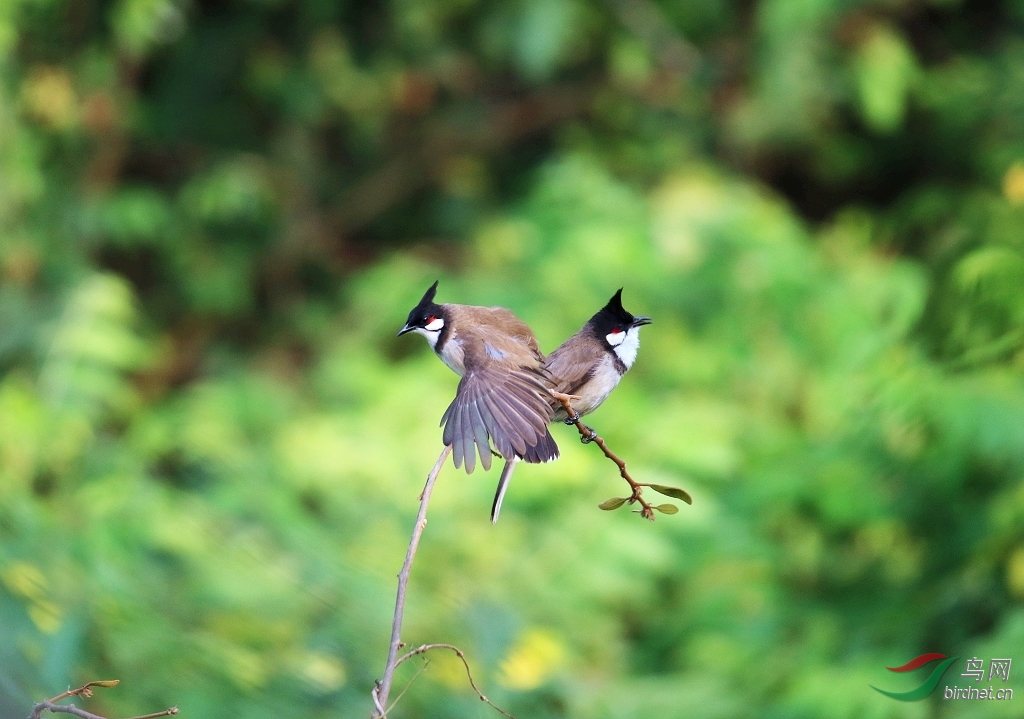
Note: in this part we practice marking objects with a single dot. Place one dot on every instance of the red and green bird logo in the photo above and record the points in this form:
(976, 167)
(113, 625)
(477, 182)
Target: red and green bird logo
(929, 684)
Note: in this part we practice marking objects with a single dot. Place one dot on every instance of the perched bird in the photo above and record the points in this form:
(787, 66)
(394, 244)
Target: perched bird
(503, 396)
(591, 362)
(589, 365)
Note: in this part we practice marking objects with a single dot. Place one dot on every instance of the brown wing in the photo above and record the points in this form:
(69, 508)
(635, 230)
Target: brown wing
(506, 332)
(565, 367)
(501, 401)
(509, 407)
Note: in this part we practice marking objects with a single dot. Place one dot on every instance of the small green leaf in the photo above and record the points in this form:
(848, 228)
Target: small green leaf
(613, 503)
(673, 492)
(106, 683)
(667, 508)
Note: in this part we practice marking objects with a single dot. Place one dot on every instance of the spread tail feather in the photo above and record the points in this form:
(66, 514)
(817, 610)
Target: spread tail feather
(499, 494)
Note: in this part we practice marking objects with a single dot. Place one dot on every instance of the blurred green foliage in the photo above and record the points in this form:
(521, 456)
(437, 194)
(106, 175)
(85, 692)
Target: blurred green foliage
(215, 215)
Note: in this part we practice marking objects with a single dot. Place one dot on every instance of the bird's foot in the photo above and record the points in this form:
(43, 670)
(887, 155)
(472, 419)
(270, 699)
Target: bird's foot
(590, 435)
(573, 418)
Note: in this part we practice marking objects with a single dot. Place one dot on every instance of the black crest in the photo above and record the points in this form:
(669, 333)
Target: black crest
(428, 296)
(420, 314)
(612, 315)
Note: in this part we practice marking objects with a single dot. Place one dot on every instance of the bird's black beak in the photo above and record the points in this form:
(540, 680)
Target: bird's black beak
(641, 321)
(405, 329)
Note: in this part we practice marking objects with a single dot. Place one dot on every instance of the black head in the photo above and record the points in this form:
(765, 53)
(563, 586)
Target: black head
(425, 313)
(613, 319)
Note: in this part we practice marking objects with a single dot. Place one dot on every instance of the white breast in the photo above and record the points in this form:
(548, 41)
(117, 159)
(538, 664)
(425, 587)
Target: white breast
(453, 355)
(605, 378)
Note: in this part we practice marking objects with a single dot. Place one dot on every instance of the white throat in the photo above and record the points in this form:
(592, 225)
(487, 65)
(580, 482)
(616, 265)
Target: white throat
(452, 353)
(432, 331)
(625, 345)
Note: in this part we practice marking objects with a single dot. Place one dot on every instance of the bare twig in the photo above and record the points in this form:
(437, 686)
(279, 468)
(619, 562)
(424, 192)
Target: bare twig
(589, 435)
(415, 676)
(85, 691)
(154, 715)
(383, 688)
(423, 649)
(47, 705)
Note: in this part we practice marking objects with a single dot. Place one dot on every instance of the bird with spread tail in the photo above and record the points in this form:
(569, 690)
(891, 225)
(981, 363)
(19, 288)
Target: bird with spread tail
(503, 395)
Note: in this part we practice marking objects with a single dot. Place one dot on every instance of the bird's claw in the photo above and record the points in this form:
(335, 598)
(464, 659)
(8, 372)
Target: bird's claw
(572, 419)
(590, 436)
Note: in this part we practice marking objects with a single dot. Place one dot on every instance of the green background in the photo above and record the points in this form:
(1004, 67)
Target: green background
(214, 217)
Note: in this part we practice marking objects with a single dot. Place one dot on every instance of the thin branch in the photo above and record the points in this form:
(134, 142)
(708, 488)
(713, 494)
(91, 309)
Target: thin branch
(415, 676)
(85, 691)
(166, 712)
(587, 435)
(423, 649)
(47, 705)
(383, 688)
(376, 702)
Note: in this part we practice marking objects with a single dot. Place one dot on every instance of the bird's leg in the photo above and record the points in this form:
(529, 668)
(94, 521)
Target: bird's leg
(590, 435)
(587, 433)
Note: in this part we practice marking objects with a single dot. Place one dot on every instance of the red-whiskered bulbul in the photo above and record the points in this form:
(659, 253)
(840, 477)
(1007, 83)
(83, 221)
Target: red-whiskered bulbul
(591, 362)
(589, 365)
(502, 396)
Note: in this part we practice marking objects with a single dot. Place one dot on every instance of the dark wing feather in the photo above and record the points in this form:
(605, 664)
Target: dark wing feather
(479, 429)
(509, 441)
(465, 432)
(456, 441)
(489, 419)
(508, 406)
(544, 451)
